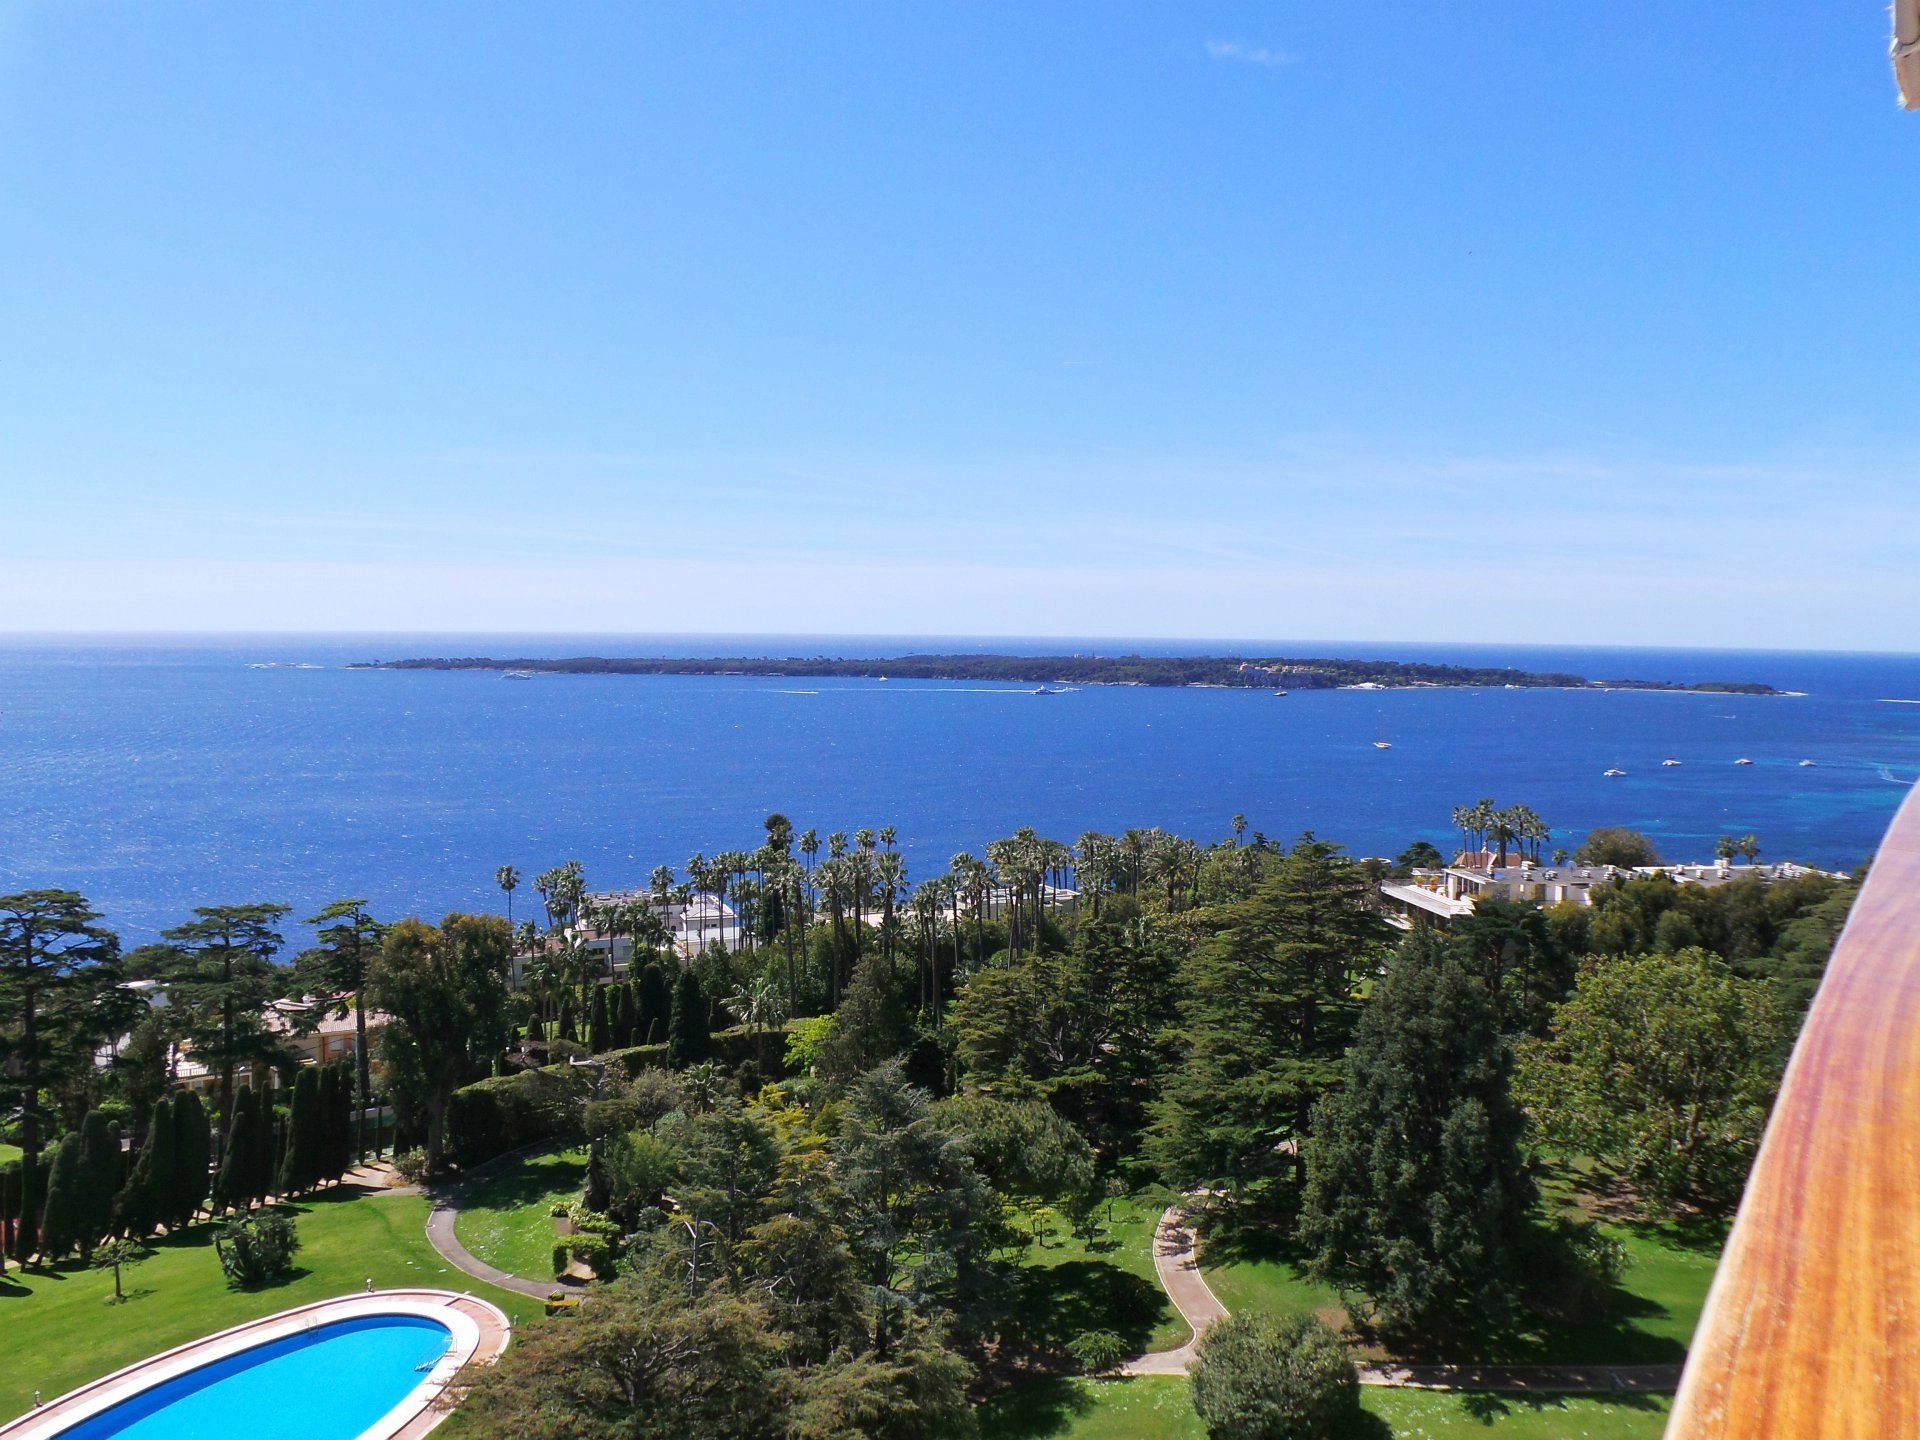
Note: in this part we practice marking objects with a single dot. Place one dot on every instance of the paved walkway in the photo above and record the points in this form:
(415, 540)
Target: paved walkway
(446, 1209)
(1175, 1260)
(1177, 1263)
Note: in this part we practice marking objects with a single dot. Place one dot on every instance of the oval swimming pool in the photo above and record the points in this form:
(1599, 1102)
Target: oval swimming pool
(328, 1383)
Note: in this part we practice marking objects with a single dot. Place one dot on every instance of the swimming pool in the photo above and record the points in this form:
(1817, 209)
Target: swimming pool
(331, 1382)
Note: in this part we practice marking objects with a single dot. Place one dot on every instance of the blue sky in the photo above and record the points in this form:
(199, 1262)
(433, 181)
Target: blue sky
(1499, 321)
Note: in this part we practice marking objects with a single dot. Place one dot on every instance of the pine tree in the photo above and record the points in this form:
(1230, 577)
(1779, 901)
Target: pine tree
(300, 1166)
(1271, 1005)
(688, 1041)
(1417, 1192)
(650, 1007)
(599, 1028)
(870, 1026)
(193, 1158)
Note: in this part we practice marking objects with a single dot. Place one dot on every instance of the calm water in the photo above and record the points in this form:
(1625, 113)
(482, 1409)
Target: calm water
(156, 776)
(329, 1384)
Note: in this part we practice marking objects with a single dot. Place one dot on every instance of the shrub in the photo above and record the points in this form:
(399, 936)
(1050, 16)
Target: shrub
(602, 1118)
(562, 1257)
(1260, 1377)
(411, 1166)
(256, 1250)
(562, 1304)
(596, 1253)
(1097, 1351)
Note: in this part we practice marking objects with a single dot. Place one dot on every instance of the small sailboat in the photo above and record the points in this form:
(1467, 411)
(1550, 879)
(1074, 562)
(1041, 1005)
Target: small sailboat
(1380, 741)
(1610, 774)
(1743, 760)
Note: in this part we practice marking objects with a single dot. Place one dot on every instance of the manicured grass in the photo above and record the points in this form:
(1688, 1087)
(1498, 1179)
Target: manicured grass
(505, 1218)
(1067, 1286)
(1266, 1273)
(63, 1328)
(1651, 1321)
(1157, 1408)
(8, 1152)
(1419, 1414)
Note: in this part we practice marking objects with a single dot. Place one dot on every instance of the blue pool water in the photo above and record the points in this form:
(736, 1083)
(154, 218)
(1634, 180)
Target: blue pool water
(328, 1384)
(157, 776)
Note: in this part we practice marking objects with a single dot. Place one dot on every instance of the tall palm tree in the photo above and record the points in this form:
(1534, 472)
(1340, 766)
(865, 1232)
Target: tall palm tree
(508, 879)
(892, 872)
(1749, 848)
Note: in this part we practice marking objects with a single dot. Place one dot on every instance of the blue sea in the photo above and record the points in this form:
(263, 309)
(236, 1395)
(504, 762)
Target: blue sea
(156, 775)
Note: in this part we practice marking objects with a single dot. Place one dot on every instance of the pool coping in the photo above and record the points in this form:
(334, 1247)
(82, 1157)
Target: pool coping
(480, 1330)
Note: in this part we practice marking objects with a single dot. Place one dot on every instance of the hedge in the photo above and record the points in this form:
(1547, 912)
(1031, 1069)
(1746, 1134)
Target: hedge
(507, 1112)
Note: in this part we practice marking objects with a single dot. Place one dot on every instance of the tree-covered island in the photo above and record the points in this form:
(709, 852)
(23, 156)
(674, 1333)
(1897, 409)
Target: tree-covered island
(1221, 671)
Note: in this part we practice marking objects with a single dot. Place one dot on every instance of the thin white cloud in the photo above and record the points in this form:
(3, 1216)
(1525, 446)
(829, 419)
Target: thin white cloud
(1248, 53)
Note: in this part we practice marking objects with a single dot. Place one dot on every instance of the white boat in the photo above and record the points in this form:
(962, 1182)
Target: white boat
(517, 675)
(1669, 762)
(1743, 760)
(1609, 774)
(1806, 764)
(1278, 693)
(1383, 744)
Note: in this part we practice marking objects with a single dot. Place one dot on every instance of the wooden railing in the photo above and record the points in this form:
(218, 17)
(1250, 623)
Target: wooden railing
(1812, 1328)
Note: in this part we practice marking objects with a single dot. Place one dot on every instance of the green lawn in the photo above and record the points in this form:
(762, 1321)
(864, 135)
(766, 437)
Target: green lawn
(8, 1152)
(1068, 1286)
(63, 1329)
(1652, 1319)
(1157, 1408)
(505, 1219)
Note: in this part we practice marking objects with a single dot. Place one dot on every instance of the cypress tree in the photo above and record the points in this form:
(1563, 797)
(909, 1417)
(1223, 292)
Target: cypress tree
(192, 1158)
(300, 1166)
(599, 1028)
(104, 1172)
(60, 1230)
(147, 1198)
(339, 1114)
(268, 1140)
(650, 1007)
(564, 1030)
(623, 1016)
(232, 1188)
(688, 1041)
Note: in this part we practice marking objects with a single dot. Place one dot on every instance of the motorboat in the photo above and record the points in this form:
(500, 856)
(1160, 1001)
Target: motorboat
(1743, 760)
(1806, 764)
(1609, 774)
(1669, 762)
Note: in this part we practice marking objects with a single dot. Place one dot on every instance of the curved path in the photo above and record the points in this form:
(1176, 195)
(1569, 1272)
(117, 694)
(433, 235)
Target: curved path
(446, 1210)
(1176, 1261)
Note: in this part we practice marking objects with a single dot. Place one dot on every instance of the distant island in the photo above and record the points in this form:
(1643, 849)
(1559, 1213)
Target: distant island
(1211, 671)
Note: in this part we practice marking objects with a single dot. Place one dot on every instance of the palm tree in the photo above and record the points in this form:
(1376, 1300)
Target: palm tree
(892, 871)
(1749, 848)
(508, 879)
(1239, 823)
(758, 1007)
(1725, 848)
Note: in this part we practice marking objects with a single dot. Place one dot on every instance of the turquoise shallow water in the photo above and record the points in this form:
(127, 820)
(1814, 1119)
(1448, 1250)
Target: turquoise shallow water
(328, 1384)
(155, 777)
